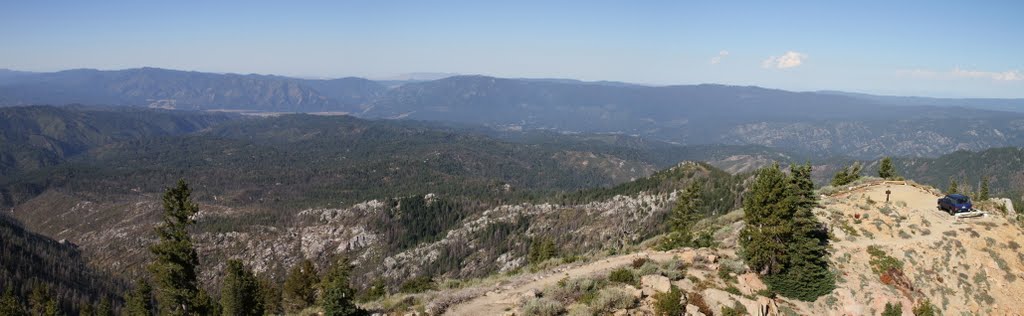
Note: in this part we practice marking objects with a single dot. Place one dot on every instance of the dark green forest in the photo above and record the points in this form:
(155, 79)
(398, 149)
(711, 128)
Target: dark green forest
(38, 271)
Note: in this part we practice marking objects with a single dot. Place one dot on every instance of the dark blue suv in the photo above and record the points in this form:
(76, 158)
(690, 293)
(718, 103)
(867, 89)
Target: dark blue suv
(955, 203)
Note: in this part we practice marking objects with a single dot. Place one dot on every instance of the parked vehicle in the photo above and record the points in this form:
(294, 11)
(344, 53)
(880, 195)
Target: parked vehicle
(955, 203)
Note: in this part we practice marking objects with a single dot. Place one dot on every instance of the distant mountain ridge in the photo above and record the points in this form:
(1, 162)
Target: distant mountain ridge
(186, 90)
(817, 123)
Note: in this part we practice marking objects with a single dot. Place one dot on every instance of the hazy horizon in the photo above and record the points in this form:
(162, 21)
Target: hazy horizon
(908, 48)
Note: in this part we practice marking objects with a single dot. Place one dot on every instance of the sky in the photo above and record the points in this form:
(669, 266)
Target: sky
(927, 48)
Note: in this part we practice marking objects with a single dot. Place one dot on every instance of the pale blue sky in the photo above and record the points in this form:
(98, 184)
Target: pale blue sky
(933, 48)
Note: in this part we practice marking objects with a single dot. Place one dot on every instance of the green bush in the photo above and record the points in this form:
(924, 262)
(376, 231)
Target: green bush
(610, 299)
(418, 284)
(648, 268)
(668, 303)
(882, 262)
(893, 310)
(573, 290)
(542, 307)
(623, 275)
(673, 269)
(925, 308)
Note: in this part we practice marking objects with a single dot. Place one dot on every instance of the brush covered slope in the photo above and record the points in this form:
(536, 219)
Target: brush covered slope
(901, 255)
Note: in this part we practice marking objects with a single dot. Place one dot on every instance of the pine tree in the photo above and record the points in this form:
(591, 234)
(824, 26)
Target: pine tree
(806, 275)
(847, 175)
(983, 195)
(952, 189)
(53, 308)
(840, 178)
(139, 302)
(299, 290)
(686, 213)
(337, 292)
(271, 292)
(767, 209)
(174, 267)
(886, 170)
(240, 294)
(803, 186)
(9, 304)
(37, 300)
(86, 310)
(104, 308)
(205, 304)
(782, 239)
(541, 249)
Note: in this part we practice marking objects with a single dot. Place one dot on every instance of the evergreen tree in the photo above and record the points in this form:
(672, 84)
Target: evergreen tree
(782, 239)
(104, 308)
(139, 302)
(983, 195)
(541, 249)
(205, 304)
(299, 290)
(9, 304)
(338, 295)
(174, 267)
(803, 186)
(686, 213)
(840, 178)
(53, 308)
(86, 310)
(37, 300)
(271, 293)
(886, 170)
(847, 175)
(240, 295)
(952, 186)
(767, 212)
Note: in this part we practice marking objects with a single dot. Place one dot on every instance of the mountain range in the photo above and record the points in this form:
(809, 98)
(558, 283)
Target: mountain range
(817, 123)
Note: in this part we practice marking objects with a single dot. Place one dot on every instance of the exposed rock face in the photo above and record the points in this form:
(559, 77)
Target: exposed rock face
(750, 283)
(652, 284)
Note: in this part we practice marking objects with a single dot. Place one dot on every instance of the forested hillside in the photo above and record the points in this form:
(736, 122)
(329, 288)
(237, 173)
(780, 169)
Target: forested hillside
(46, 273)
(1002, 168)
(319, 160)
(40, 136)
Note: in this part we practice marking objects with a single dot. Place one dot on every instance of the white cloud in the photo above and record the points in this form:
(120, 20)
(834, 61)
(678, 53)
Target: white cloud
(1010, 75)
(958, 73)
(788, 60)
(718, 58)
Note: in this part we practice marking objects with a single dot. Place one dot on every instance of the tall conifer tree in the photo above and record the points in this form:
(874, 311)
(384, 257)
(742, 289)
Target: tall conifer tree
(175, 264)
(240, 294)
(299, 290)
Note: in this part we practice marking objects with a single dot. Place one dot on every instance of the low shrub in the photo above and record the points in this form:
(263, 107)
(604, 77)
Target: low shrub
(673, 269)
(925, 308)
(893, 310)
(573, 290)
(639, 262)
(669, 303)
(610, 299)
(696, 299)
(542, 307)
(736, 310)
(418, 284)
(648, 268)
(623, 275)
